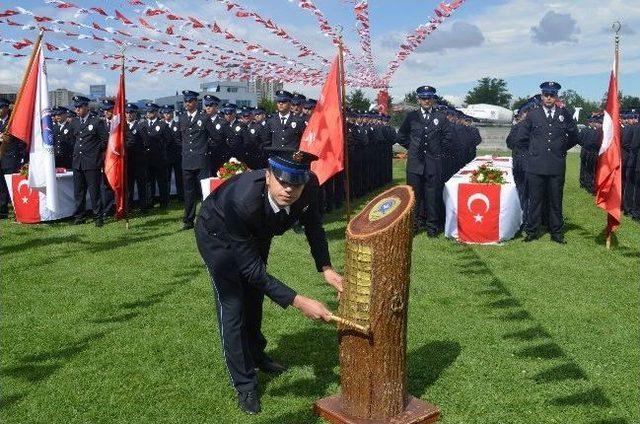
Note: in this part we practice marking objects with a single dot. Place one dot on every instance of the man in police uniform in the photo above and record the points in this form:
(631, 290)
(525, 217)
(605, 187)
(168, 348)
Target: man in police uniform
(234, 231)
(13, 157)
(63, 137)
(297, 100)
(156, 136)
(550, 132)
(174, 151)
(136, 158)
(88, 159)
(236, 137)
(196, 130)
(426, 134)
(217, 151)
(284, 128)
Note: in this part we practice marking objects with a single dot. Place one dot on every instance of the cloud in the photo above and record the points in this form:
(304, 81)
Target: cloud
(555, 28)
(462, 35)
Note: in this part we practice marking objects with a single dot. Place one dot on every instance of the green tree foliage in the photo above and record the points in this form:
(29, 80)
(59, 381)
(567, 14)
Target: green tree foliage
(519, 102)
(411, 98)
(268, 105)
(573, 100)
(489, 90)
(629, 102)
(357, 100)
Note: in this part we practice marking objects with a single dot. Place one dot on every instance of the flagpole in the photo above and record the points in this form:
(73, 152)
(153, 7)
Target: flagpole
(5, 138)
(123, 133)
(616, 56)
(343, 96)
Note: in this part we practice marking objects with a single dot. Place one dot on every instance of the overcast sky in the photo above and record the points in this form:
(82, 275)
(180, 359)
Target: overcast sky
(524, 42)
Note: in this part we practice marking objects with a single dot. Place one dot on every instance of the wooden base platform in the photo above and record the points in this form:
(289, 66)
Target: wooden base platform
(417, 412)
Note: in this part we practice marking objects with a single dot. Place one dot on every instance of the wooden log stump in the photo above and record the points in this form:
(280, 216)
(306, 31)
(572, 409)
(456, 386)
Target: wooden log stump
(373, 373)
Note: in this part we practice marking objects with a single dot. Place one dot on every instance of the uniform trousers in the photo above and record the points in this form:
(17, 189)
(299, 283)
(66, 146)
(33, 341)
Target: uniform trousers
(545, 197)
(427, 189)
(87, 180)
(238, 307)
(192, 191)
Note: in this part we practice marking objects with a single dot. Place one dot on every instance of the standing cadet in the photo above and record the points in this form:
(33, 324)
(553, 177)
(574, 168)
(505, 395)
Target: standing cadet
(174, 151)
(108, 197)
(297, 100)
(196, 130)
(550, 132)
(257, 139)
(235, 135)
(426, 134)
(63, 138)
(156, 136)
(217, 152)
(234, 231)
(284, 128)
(136, 158)
(519, 154)
(12, 159)
(88, 160)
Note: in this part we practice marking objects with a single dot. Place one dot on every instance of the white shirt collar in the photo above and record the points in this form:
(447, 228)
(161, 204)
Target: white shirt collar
(286, 117)
(191, 115)
(275, 206)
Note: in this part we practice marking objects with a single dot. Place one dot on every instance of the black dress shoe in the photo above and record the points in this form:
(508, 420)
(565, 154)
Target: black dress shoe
(558, 239)
(530, 237)
(99, 222)
(249, 402)
(78, 221)
(187, 226)
(270, 366)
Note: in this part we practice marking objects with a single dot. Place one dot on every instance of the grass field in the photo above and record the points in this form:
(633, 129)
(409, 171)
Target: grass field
(118, 326)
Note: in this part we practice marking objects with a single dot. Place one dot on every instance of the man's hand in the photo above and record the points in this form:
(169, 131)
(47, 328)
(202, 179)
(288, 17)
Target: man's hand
(333, 278)
(311, 308)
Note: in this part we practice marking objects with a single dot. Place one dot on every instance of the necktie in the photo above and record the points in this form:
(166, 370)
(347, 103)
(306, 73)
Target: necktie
(283, 119)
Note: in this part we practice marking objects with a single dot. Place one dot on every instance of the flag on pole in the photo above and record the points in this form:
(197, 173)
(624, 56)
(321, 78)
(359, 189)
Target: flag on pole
(114, 163)
(608, 169)
(32, 123)
(324, 135)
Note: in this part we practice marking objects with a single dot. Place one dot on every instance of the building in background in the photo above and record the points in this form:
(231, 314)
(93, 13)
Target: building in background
(61, 97)
(265, 89)
(8, 92)
(97, 92)
(239, 92)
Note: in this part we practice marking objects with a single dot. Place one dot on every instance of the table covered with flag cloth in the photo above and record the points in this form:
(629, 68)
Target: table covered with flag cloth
(30, 205)
(209, 185)
(482, 213)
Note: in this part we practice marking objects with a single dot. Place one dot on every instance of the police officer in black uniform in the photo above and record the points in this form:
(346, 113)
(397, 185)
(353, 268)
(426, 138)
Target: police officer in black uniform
(234, 231)
(258, 138)
(217, 152)
(196, 130)
(284, 128)
(13, 157)
(88, 160)
(426, 134)
(156, 136)
(174, 151)
(136, 158)
(236, 135)
(550, 132)
(63, 137)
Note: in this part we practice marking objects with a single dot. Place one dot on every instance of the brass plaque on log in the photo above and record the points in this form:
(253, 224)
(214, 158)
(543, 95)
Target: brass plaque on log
(356, 297)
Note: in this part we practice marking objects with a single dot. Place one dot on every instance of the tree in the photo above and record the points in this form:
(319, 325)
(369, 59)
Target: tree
(411, 98)
(573, 100)
(357, 101)
(519, 102)
(268, 105)
(629, 102)
(489, 90)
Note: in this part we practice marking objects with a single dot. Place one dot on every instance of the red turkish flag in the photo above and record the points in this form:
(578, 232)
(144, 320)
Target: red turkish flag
(114, 162)
(324, 135)
(26, 201)
(609, 169)
(479, 213)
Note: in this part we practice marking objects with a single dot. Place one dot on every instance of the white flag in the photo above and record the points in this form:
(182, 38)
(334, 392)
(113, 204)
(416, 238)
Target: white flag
(42, 164)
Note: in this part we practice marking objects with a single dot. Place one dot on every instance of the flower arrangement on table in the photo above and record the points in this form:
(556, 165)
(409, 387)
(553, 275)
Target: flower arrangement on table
(231, 168)
(487, 174)
(24, 171)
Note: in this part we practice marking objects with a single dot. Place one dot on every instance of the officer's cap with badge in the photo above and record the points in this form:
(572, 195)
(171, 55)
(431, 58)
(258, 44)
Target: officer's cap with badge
(79, 101)
(131, 107)
(167, 109)
(298, 99)
(210, 100)
(151, 107)
(107, 105)
(60, 110)
(426, 92)
(310, 104)
(189, 95)
(246, 111)
(289, 165)
(283, 96)
(229, 108)
(259, 111)
(550, 87)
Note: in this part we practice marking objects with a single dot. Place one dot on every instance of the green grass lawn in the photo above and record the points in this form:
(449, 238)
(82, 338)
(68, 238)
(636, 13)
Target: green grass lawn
(118, 326)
